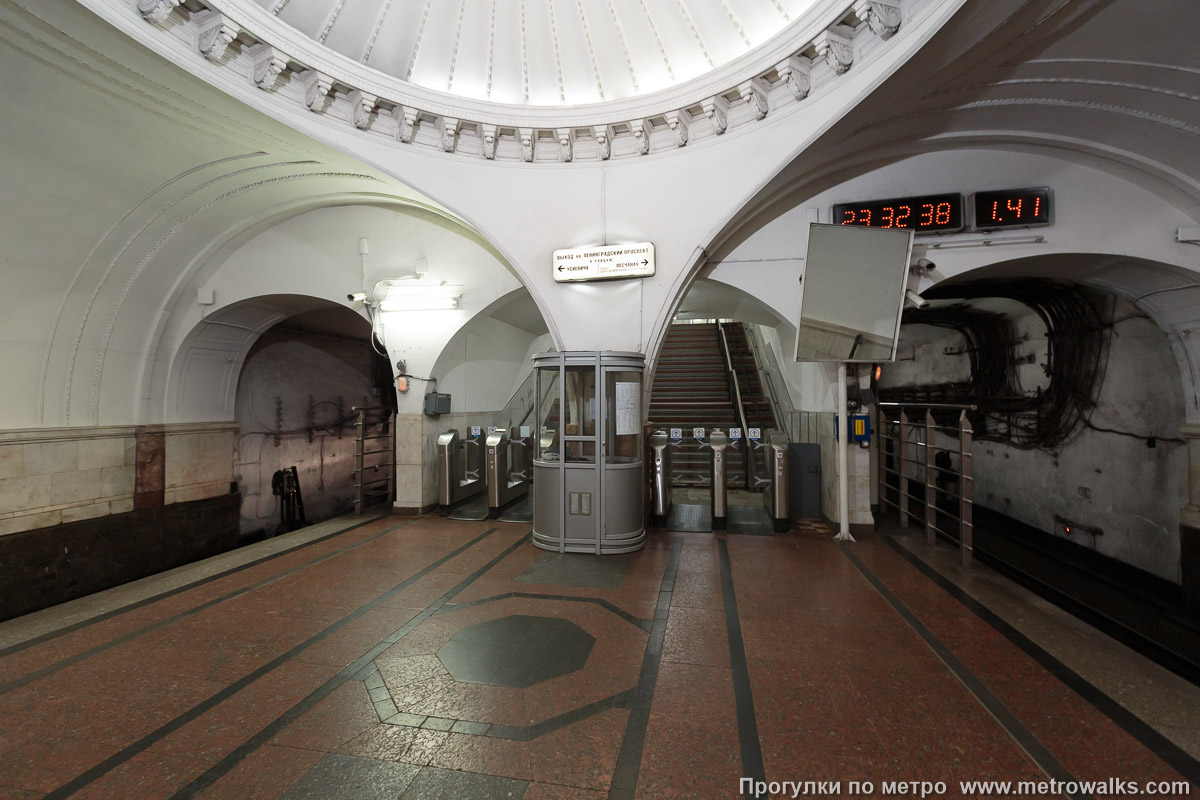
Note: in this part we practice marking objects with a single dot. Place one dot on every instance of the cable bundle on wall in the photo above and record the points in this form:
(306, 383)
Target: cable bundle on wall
(1076, 335)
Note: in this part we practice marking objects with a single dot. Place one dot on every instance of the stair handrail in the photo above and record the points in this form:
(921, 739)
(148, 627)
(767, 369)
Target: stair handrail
(764, 373)
(732, 379)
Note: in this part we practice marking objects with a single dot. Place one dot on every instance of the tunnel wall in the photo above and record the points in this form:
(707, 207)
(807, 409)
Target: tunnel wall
(1108, 481)
(294, 366)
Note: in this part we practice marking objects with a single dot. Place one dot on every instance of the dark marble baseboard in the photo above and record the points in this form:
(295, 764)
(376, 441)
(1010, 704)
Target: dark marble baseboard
(48, 566)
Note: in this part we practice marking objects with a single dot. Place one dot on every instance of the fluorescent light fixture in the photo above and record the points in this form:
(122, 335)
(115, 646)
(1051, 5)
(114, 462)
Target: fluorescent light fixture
(421, 298)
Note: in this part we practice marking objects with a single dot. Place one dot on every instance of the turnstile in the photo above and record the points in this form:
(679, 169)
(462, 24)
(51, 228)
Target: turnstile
(507, 478)
(460, 469)
(772, 515)
(660, 476)
(775, 498)
(717, 442)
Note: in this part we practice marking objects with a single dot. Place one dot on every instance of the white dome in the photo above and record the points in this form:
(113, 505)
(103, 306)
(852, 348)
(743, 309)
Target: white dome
(541, 52)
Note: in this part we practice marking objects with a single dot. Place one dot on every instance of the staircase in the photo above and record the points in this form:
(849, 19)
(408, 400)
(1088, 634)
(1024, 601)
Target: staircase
(690, 391)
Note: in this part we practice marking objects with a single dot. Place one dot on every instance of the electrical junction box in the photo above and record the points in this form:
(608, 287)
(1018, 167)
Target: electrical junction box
(437, 403)
(859, 427)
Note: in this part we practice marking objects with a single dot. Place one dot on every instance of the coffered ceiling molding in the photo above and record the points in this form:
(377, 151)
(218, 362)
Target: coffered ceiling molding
(747, 58)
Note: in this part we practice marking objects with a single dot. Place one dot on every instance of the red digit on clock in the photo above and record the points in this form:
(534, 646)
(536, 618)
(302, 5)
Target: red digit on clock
(866, 216)
(889, 216)
(905, 213)
(995, 211)
(847, 217)
(1009, 204)
(1037, 207)
(942, 216)
(926, 215)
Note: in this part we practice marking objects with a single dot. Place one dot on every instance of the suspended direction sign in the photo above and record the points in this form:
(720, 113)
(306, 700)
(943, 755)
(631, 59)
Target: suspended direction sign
(604, 262)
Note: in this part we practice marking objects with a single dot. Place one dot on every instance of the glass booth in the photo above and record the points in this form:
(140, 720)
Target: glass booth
(587, 462)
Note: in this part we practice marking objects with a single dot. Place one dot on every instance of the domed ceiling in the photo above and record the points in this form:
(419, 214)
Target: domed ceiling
(541, 52)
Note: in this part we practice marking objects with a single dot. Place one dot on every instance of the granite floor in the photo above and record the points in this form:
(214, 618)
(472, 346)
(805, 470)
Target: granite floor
(435, 658)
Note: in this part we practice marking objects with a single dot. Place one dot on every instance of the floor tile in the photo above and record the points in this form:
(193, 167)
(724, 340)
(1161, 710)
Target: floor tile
(340, 777)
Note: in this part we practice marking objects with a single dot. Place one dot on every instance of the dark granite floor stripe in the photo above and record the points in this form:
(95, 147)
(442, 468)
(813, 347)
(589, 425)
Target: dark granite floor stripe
(1033, 747)
(160, 733)
(1164, 748)
(46, 637)
(743, 696)
(360, 669)
(644, 624)
(100, 648)
(629, 759)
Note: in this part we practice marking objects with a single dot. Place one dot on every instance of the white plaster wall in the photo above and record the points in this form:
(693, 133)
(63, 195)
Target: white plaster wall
(481, 364)
(316, 255)
(1112, 482)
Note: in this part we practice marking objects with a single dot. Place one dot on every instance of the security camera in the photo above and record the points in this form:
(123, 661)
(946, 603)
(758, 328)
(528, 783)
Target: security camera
(916, 299)
(926, 264)
(357, 297)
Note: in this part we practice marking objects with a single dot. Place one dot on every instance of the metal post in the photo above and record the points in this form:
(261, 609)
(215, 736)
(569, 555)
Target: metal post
(881, 445)
(391, 440)
(843, 459)
(966, 534)
(901, 441)
(930, 482)
(359, 458)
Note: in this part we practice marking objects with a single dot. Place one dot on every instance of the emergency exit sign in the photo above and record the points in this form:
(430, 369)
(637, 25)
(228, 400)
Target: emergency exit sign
(604, 262)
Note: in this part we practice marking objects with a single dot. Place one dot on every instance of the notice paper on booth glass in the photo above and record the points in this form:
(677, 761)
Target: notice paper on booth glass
(629, 410)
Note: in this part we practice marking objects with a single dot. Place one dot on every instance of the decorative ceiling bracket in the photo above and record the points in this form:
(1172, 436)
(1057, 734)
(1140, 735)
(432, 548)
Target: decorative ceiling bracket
(449, 126)
(526, 143)
(882, 16)
(566, 143)
(603, 140)
(318, 88)
(677, 121)
(214, 32)
(267, 67)
(641, 133)
(488, 134)
(406, 123)
(755, 93)
(796, 71)
(157, 11)
(717, 110)
(836, 46)
(361, 106)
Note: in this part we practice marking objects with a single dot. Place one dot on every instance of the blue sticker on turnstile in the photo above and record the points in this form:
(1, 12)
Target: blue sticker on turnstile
(476, 432)
(735, 434)
(676, 434)
(698, 434)
(491, 429)
(754, 434)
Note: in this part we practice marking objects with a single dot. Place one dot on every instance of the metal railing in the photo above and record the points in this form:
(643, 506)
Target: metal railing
(374, 456)
(731, 377)
(899, 437)
(764, 361)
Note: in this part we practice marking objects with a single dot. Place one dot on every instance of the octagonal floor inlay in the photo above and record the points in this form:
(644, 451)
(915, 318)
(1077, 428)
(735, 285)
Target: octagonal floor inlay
(517, 651)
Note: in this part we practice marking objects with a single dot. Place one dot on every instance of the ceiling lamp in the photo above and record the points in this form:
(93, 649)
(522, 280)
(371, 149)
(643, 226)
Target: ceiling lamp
(421, 298)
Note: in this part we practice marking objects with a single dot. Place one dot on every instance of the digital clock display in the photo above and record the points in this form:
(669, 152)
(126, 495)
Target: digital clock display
(936, 212)
(1012, 208)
